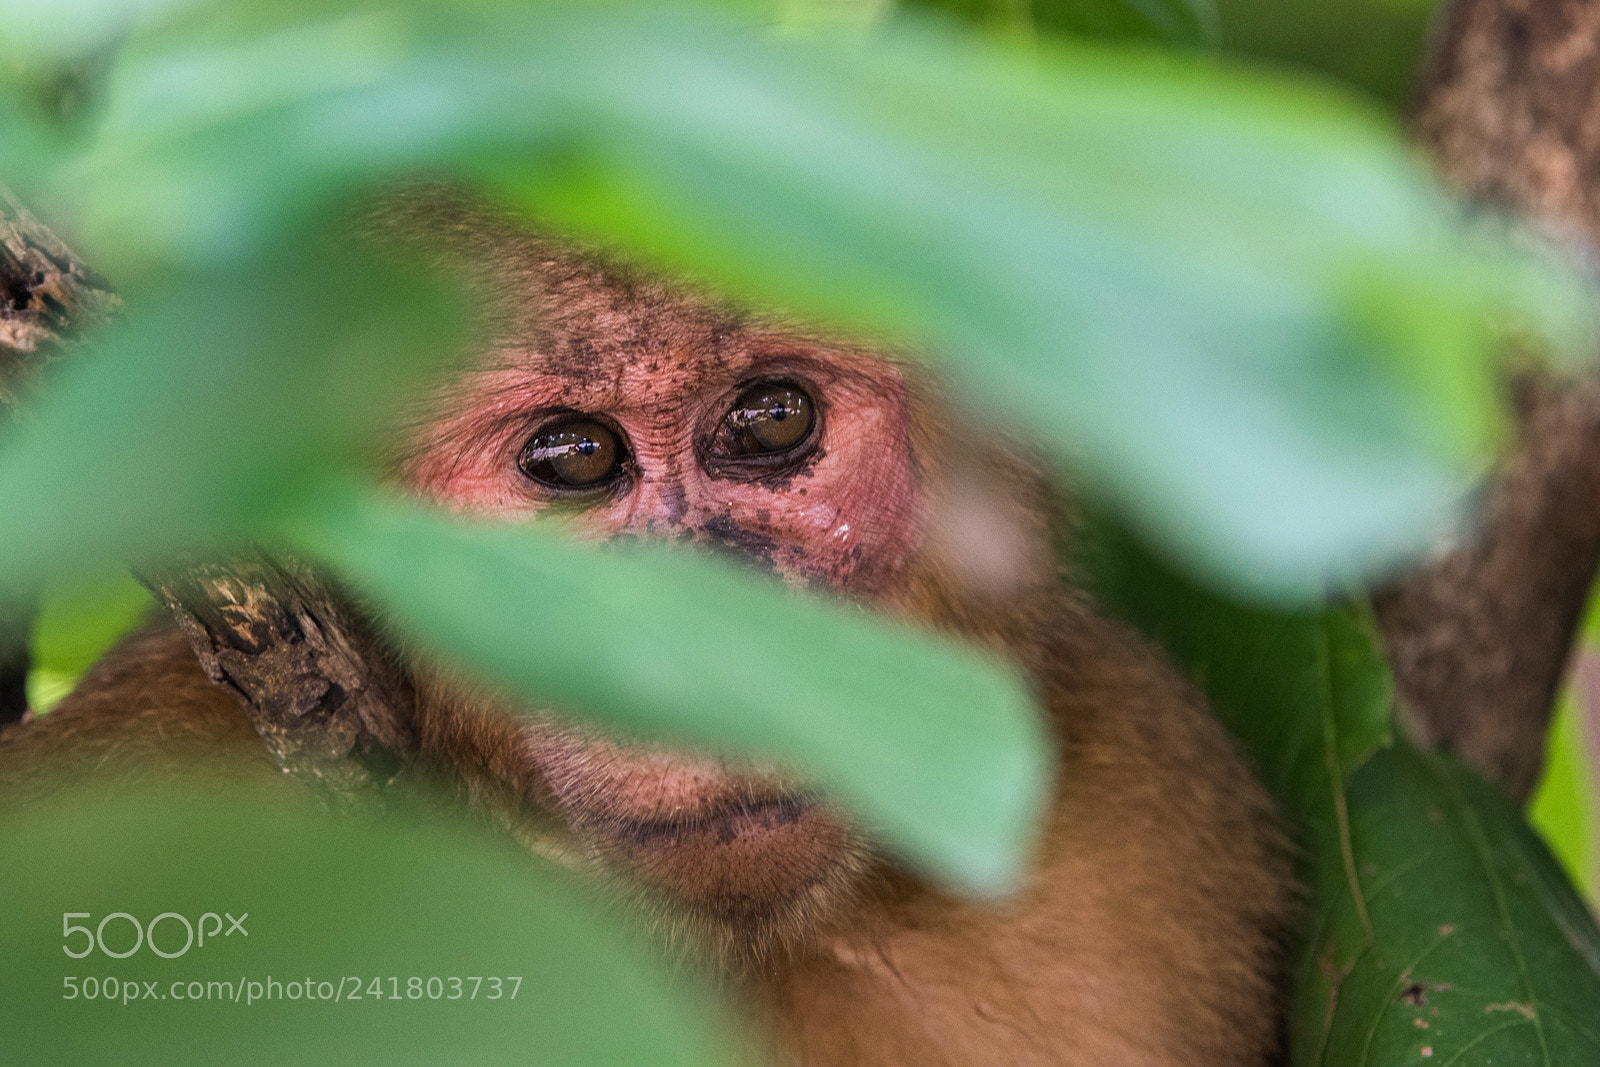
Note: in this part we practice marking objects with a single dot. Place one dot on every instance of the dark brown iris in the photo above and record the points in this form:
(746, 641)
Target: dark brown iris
(574, 454)
(770, 418)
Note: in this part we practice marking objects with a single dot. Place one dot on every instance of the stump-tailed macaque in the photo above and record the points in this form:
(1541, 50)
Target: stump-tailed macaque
(1149, 928)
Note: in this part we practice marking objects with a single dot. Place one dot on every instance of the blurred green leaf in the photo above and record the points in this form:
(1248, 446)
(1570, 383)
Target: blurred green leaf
(1436, 919)
(66, 29)
(1234, 301)
(327, 902)
(940, 749)
(209, 403)
(1179, 22)
(1563, 808)
(1374, 45)
(78, 622)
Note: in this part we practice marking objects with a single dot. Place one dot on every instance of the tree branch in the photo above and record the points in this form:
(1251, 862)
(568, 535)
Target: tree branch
(1480, 636)
(47, 295)
(328, 702)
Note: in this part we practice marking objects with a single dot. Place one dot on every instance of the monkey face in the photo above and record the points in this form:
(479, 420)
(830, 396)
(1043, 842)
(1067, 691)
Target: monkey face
(634, 412)
(796, 460)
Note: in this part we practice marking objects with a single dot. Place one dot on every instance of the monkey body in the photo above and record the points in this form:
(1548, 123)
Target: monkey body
(1148, 930)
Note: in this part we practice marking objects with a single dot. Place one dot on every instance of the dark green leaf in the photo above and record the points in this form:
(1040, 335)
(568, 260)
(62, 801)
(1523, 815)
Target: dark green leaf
(335, 903)
(1438, 928)
(1479, 951)
(1308, 693)
(942, 751)
(1178, 22)
(1374, 45)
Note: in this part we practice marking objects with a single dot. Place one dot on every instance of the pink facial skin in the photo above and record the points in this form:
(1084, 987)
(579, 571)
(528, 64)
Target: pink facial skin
(843, 517)
(663, 372)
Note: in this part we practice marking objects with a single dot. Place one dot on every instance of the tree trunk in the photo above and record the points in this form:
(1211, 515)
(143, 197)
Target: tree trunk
(1509, 107)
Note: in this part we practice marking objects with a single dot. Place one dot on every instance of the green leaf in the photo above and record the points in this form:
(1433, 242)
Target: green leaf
(1308, 692)
(66, 29)
(208, 406)
(1177, 22)
(78, 622)
(942, 751)
(1373, 45)
(1180, 22)
(1479, 950)
(1436, 920)
(322, 901)
(1235, 302)
(1563, 807)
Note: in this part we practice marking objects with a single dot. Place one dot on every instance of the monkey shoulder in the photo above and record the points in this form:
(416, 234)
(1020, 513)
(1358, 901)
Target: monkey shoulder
(144, 713)
(1149, 931)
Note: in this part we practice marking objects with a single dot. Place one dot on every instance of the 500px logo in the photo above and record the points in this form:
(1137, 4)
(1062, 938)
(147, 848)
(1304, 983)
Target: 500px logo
(144, 935)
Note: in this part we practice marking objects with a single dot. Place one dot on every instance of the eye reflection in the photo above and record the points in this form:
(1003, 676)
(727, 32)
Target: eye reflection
(770, 418)
(576, 454)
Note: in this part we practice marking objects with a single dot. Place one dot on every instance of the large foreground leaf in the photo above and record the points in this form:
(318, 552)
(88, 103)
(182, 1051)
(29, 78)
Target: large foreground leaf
(338, 920)
(1235, 302)
(941, 750)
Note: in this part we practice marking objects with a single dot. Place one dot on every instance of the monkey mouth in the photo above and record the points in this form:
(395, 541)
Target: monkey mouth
(737, 858)
(725, 821)
(729, 841)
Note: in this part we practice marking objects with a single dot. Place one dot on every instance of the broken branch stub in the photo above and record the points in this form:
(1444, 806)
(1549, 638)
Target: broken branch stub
(325, 698)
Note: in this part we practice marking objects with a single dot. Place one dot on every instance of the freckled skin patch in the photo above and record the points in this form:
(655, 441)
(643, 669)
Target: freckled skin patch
(672, 366)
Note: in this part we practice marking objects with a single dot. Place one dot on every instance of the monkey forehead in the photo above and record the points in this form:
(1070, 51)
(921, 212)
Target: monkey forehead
(582, 331)
(667, 375)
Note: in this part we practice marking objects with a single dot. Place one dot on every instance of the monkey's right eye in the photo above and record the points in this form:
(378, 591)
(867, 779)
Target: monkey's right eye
(574, 455)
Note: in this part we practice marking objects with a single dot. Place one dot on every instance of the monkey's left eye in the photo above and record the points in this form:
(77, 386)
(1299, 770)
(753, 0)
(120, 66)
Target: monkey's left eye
(769, 419)
(576, 454)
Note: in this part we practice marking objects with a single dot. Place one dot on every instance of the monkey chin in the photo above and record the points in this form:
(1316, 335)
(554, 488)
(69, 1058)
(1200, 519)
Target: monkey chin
(741, 860)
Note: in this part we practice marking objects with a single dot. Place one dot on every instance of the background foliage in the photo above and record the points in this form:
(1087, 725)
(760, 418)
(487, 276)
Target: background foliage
(1228, 300)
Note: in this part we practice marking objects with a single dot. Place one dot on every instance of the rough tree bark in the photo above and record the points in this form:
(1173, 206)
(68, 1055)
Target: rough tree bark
(1508, 106)
(327, 700)
(328, 703)
(46, 293)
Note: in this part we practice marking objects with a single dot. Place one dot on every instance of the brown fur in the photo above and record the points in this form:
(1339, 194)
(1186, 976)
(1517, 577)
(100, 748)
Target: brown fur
(146, 712)
(1148, 929)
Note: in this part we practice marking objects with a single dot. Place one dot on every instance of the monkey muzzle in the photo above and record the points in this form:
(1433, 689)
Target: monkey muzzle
(726, 838)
